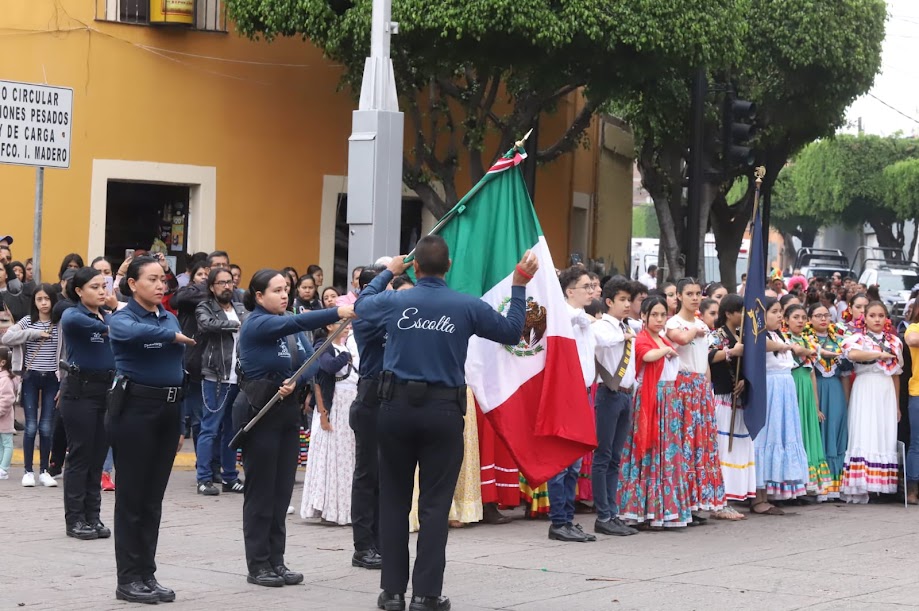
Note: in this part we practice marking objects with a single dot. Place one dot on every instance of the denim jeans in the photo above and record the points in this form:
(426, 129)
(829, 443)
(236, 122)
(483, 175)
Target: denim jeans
(562, 490)
(614, 416)
(192, 408)
(38, 391)
(6, 450)
(217, 431)
(912, 456)
(107, 465)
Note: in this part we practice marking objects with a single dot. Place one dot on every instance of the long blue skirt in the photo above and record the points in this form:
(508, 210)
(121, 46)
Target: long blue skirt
(834, 429)
(781, 462)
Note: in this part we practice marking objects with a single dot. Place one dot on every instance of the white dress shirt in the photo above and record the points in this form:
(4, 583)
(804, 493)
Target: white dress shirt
(610, 339)
(584, 338)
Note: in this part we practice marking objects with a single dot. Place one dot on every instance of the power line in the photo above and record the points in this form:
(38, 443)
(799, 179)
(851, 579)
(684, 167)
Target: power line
(899, 112)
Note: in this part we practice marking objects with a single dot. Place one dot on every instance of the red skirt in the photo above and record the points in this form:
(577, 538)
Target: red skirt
(700, 442)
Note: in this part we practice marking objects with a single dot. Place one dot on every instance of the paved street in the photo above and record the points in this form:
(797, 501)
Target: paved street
(826, 557)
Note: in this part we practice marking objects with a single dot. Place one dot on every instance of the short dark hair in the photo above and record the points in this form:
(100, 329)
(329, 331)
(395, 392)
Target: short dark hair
(368, 273)
(212, 276)
(570, 276)
(432, 256)
(312, 269)
(731, 304)
(652, 268)
(215, 254)
(616, 285)
(400, 281)
(236, 267)
(594, 308)
(357, 268)
(637, 289)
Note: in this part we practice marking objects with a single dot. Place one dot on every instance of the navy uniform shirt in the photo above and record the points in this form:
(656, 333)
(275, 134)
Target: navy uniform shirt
(371, 340)
(263, 350)
(144, 346)
(86, 339)
(428, 328)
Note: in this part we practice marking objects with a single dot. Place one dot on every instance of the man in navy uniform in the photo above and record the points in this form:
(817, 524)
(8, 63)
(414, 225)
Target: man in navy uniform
(365, 488)
(423, 400)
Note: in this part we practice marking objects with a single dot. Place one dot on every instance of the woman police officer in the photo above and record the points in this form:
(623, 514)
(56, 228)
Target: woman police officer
(271, 348)
(90, 365)
(143, 424)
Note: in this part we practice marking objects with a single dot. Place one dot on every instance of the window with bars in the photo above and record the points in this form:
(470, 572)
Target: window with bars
(204, 15)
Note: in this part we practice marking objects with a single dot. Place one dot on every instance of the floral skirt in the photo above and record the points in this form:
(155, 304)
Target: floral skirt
(700, 442)
(654, 487)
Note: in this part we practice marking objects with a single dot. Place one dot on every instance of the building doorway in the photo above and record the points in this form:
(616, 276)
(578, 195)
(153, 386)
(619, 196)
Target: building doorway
(147, 216)
(409, 235)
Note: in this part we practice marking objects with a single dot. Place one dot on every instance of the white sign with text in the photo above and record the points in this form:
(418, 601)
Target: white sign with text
(35, 122)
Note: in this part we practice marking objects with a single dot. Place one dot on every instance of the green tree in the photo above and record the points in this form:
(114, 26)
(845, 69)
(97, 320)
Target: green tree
(844, 178)
(803, 63)
(901, 194)
(469, 69)
(644, 222)
(790, 218)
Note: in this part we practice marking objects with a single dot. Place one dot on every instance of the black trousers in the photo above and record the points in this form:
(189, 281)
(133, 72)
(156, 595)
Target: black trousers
(365, 487)
(428, 434)
(82, 408)
(59, 439)
(271, 451)
(144, 439)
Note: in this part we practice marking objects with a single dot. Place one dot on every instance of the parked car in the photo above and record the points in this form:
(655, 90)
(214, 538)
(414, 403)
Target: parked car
(895, 283)
(822, 263)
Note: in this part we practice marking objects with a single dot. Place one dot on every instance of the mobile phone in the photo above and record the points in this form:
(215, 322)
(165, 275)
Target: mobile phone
(109, 284)
(128, 253)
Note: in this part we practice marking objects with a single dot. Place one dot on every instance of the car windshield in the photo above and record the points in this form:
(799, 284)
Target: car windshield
(888, 281)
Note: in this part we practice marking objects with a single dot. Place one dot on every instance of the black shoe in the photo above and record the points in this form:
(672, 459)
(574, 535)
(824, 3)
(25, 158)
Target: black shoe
(54, 470)
(429, 603)
(82, 531)
(101, 529)
(367, 559)
(566, 533)
(697, 519)
(208, 489)
(578, 528)
(218, 479)
(235, 486)
(136, 592)
(267, 578)
(614, 527)
(164, 594)
(290, 578)
(391, 602)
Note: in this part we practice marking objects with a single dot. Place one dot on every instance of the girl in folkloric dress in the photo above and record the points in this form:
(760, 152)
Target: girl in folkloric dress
(871, 456)
(818, 473)
(834, 429)
(653, 487)
(738, 459)
(700, 434)
(330, 468)
(781, 463)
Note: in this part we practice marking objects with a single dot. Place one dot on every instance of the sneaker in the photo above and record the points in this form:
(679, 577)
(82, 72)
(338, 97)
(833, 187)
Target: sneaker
(208, 489)
(46, 480)
(28, 480)
(4, 474)
(107, 484)
(234, 486)
(290, 510)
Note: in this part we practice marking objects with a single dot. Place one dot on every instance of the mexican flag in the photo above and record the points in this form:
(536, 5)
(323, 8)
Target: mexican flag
(532, 393)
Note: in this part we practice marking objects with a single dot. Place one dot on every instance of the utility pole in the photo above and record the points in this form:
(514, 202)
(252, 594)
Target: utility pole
(696, 173)
(375, 152)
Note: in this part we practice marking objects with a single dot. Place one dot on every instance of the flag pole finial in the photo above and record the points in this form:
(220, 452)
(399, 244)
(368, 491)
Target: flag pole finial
(760, 173)
(522, 141)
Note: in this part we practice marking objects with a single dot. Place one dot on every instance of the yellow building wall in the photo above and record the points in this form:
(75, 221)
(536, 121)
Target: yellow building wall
(613, 217)
(268, 117)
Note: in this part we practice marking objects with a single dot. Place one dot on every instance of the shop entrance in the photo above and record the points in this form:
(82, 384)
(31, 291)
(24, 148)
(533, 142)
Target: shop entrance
(147, 216)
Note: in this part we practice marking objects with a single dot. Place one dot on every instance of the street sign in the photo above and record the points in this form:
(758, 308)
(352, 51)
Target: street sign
(35, 122)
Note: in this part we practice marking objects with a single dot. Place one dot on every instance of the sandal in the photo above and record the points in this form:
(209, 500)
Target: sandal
(771, 511)
(457, 524)
(728, 513)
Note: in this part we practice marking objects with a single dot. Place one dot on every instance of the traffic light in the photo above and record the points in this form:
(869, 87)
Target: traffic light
(738, 128)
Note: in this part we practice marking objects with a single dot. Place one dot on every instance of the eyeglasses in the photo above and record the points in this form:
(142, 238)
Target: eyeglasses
(588, 287)
(224, 283)
(821, 316)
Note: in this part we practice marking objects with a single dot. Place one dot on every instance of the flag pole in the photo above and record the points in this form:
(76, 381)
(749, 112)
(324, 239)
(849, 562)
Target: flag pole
(461, 204)
(759, 172)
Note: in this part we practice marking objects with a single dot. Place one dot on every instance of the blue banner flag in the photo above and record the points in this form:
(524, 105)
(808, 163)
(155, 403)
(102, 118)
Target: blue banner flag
(753, 365)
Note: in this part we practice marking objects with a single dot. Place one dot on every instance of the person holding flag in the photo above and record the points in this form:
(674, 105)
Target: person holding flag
(423, 401)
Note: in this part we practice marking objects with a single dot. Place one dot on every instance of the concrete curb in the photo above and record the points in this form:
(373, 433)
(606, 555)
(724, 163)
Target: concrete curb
(184, 460)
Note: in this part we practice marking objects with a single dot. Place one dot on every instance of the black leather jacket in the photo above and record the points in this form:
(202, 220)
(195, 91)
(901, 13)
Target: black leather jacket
(215, 335)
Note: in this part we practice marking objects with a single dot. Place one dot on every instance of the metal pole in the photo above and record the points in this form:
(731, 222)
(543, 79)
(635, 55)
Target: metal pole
(36, 237)
(696, 175)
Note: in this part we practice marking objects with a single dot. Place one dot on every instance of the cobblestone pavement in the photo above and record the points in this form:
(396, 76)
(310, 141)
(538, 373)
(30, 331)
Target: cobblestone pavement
(826, 557)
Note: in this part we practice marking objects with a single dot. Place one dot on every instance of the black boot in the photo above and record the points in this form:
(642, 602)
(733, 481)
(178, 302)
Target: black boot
(266, 577)
(101, 529)
(391, 602)
(367, 559)
(429, 603)
(164, 594)
(290, 577)
(136, 592)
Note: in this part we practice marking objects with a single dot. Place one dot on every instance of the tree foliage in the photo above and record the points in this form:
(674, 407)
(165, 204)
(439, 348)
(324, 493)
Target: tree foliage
(469, 70)
(802, 63)
(844, 178)
(788, 215)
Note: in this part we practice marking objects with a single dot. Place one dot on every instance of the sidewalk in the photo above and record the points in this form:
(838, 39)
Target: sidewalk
(825, 557)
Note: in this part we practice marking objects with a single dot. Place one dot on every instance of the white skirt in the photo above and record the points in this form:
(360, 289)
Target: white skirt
(738, 465)
(871, 456)
(330, 466)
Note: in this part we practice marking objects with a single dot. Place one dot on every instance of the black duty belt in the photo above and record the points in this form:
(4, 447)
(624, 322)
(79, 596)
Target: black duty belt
(392, 386)
(169, 394)
(87, 376)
